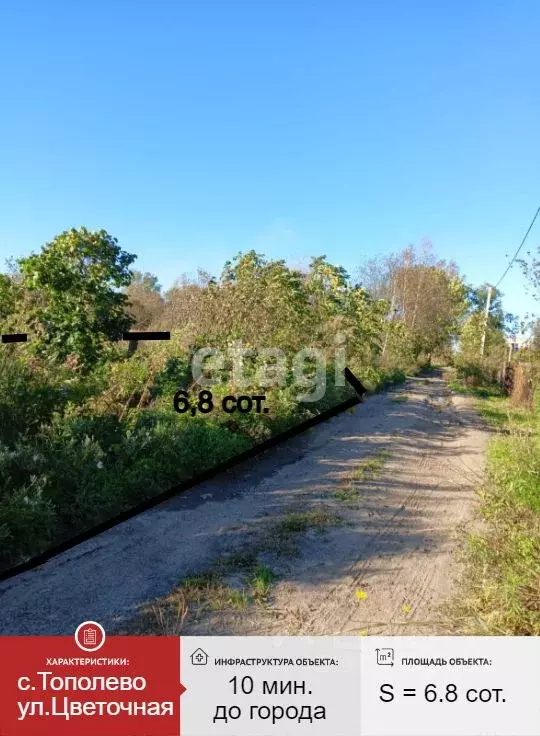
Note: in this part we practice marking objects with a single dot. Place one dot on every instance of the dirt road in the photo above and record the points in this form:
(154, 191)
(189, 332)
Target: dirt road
(396, 475)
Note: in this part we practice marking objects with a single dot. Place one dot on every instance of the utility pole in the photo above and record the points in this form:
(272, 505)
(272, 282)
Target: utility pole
(486, 315)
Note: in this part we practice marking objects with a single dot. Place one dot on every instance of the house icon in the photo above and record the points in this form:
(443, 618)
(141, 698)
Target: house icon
(199, 657)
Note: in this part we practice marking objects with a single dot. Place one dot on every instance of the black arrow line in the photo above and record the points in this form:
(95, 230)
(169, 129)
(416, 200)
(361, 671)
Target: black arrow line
(355, 383)
(146, 336)
(15, 337)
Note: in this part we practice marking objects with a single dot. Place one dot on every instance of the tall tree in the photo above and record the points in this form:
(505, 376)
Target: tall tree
(426, 297)
(8, 297)
(78, 275)
(530, 267)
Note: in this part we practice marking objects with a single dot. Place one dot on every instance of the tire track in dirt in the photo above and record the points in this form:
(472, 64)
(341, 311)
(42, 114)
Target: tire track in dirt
(431, 492)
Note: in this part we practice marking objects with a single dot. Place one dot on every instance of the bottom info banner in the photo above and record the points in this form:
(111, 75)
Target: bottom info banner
(90, 684)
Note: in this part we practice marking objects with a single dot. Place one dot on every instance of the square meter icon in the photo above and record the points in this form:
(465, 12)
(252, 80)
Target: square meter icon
(385, 656)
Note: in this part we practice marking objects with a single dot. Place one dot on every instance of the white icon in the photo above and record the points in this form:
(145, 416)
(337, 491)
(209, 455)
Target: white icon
(385, 656)
(199, 657)
(90, 638)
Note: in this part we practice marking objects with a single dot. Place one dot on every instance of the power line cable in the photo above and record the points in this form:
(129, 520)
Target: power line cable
(520, 247)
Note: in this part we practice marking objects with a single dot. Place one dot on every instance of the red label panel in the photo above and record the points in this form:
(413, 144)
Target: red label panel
(129, 686)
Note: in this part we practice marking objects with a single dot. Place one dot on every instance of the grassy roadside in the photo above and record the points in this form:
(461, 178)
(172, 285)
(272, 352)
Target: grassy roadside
(500, 592)
(237, 584)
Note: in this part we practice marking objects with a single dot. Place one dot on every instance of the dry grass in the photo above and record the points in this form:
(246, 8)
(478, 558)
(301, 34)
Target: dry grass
(401, 399)
(238, 584)
(363, 470)
(522, 388)
(283, 536)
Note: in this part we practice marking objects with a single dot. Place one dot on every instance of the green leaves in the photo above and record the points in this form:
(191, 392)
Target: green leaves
(78, 276)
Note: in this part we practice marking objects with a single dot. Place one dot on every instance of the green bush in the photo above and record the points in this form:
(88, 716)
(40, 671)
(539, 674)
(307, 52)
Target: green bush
(27, 518)
(472, 373)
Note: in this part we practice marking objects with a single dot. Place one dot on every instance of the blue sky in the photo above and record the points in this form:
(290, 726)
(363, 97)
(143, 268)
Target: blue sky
(193, 130)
